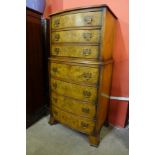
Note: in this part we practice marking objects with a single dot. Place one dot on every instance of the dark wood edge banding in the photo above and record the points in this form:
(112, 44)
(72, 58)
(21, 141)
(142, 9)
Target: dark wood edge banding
(85, 7)
(73, 63)
(77, 61)
(64, 57)
(76, 83)
(71, 113)
(102, 19)
(98, 27)
(77, 28)
(75, 43)
(81, 61)
(86, 43)
(72, 11)
(72, 98)
(100, 68)
(102, 34)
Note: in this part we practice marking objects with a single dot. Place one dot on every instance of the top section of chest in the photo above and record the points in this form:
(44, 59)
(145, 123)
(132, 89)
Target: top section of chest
(92, 17)
(92, 28)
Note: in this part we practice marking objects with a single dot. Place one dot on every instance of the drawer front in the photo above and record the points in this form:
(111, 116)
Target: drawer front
(78, 123)
(75, 51)
(80, 92)
(74, 72)
(84, 36)
(85, 109)
(77, 19)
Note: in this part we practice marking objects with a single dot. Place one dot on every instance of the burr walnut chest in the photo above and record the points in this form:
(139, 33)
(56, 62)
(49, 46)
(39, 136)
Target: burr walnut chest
(80, 68)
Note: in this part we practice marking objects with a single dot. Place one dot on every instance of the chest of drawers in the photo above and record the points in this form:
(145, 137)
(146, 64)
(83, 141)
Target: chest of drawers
(80, 68)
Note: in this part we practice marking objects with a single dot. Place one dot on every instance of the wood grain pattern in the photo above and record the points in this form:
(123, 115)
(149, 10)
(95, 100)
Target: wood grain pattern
(85, 109)
(80, 68)
(75, 72)
(104, 93)
(82, 62)
(81, 51)
(108, 32)
(85, 93)
(81, 124)
(76, 20)
(87, 36)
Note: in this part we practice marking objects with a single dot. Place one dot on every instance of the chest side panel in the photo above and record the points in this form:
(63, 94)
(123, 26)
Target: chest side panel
(108, 33)
(103, 95)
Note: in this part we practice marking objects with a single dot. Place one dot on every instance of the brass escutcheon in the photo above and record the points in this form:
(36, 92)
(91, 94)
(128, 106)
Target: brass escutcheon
(86, 52)
(56, 50)
(56, 22)
(57, 37)
(86, 93)
(88, 19)
(55, 69)
(54, 85)
(86, 110)
(87, 36)
(87, 75)
(84, 125)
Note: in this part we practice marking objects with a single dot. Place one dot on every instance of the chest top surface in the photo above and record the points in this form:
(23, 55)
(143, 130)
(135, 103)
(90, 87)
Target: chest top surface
(88, 8)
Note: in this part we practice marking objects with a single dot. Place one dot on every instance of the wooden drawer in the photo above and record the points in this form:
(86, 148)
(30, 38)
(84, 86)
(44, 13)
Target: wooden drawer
(76, 19)
(74, 72)
(81, 92)
(75, 36)
(79, 123)
(85, 109)
(79, 51)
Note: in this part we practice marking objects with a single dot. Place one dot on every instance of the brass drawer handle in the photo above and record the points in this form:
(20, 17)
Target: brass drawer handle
(84, 125)
(57, 50)
(54, 85)
(86, 52)
(88, 19)
(87, 36)
(57, 37)
(56, 22)
(86, 93)
(87, 75)
(86, 110)
(55, 69)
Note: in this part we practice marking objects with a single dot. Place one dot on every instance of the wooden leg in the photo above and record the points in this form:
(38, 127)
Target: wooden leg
(52, 121)
(94, 140)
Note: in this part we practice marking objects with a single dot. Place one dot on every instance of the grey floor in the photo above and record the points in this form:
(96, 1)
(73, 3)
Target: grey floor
(44, 139)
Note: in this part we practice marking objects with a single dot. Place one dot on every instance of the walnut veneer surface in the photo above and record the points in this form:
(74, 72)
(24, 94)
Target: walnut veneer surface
(80, 68)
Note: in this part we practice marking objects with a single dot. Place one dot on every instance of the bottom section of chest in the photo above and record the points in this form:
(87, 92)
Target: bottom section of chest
(81, 106)
(78, 123)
